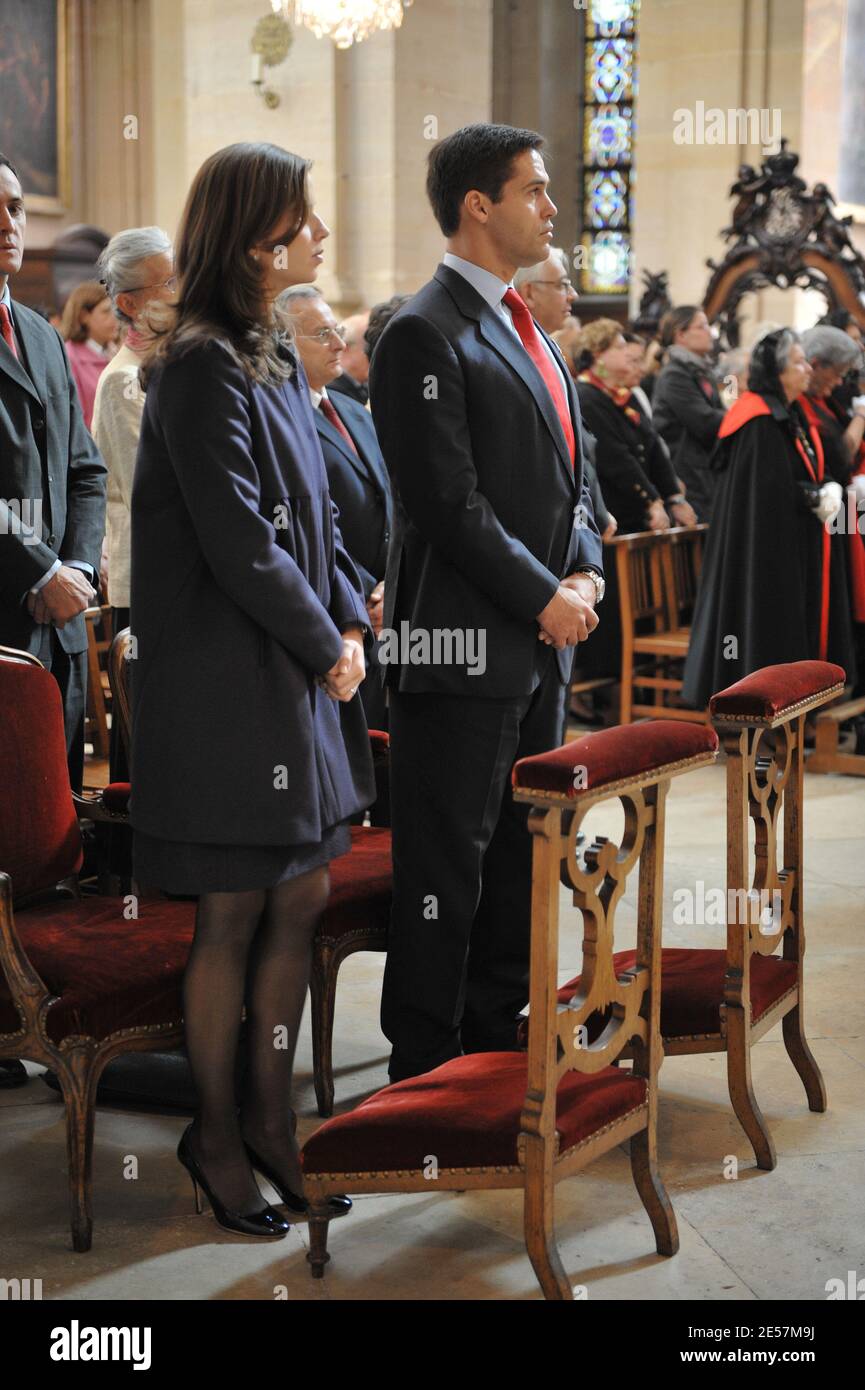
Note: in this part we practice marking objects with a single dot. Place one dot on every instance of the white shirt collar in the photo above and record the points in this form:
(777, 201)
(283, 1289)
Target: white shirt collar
(488, 286)
(317, 397)
(6, 297)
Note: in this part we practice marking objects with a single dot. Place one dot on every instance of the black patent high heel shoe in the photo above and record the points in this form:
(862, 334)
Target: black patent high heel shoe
(267, 1223)
(336, 1206)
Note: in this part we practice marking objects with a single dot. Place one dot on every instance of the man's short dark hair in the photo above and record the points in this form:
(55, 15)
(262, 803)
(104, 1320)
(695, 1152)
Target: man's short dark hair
(476, 156)
(380, 316)
(4, 159)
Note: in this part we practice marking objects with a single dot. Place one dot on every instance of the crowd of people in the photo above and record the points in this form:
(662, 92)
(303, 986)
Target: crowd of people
(283, 486)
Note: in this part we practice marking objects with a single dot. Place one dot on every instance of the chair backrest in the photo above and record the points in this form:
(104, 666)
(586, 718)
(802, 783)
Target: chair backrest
(40, 842)
(683, 561)
(643, 598)
(631, 764)
(118, 679)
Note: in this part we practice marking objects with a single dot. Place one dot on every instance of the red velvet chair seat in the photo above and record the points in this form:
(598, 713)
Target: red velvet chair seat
(769, 692)
(467, 1114)
(113, 973)
(360, 885)
(692, 988)
(612, 755)
(109, 973)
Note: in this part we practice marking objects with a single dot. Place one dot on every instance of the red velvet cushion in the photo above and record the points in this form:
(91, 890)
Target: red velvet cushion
(466, 1113)
(692, 988)
(109, 972)
(611, 755)
(360, 885)
(39, 838)
(770, 691)
(116, 797)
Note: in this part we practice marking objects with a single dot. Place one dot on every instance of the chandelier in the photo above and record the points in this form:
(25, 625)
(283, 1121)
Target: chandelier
(344, 21)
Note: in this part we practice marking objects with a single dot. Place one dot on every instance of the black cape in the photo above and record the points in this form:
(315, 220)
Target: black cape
(759, 601)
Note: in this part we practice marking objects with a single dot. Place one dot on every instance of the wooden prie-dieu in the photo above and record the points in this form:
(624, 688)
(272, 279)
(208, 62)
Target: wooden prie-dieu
(527, 1120)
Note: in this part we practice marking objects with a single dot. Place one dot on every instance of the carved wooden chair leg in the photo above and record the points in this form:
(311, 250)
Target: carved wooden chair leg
(78, 1081)
(322, 988)
(741, 1090)
(539, 1225)
(653, 1194)
(317, 1254)
(803, 1059)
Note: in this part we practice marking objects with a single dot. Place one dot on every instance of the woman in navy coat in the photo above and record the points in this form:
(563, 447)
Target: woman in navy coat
(249, 745)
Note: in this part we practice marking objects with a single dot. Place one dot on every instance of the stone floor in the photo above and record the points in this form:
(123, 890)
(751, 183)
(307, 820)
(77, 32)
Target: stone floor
(763, 1236)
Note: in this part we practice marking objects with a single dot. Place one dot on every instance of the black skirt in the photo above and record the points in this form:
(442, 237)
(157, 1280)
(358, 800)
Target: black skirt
(190, 869)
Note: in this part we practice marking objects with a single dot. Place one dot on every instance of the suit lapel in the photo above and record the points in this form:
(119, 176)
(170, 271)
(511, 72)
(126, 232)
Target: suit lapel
(358, 461)
(363, 443)
(35, 359)
(509, 347)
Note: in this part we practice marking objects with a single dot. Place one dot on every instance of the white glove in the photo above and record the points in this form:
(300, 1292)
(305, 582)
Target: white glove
(858, 485)
(831, 499)
(858, 403)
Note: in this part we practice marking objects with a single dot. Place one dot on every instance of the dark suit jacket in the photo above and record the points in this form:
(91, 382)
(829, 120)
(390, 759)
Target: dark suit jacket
(360, 487)
(633, 466)
(488, 513)
(46, 455)
(345, 385)
(240, 588)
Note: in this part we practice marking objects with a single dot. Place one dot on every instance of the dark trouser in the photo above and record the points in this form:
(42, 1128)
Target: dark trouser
(70, 673)
(457, 970)
(118, 763)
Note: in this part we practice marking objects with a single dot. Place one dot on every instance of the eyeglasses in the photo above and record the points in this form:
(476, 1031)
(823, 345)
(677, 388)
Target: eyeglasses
(324, 335)
(170, 284)
(565, 285)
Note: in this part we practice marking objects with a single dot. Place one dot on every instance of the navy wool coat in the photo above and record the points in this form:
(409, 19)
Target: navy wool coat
(240, 589)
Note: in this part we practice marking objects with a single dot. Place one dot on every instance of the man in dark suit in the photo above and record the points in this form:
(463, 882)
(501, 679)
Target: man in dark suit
(493, 573)
(52, 490)
(356, 472)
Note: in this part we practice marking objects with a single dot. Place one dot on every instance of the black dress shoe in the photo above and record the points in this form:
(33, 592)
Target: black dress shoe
(255, 1223)
(299, 1206)
(12, 1073)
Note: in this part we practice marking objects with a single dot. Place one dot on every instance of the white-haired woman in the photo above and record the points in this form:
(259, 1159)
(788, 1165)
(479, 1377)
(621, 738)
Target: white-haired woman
(137, 268)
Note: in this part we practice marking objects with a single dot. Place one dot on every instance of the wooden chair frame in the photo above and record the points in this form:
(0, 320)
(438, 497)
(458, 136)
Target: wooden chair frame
(661, 598)
(761, 783)
(828, 756)
(77, 1060)
(597, 875)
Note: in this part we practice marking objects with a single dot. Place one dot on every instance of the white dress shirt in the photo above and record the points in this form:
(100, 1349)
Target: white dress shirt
(492, 289)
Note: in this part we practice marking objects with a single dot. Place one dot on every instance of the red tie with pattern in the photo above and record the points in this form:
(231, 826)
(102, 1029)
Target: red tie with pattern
(330, 414)
(531, 340)
(6, 330)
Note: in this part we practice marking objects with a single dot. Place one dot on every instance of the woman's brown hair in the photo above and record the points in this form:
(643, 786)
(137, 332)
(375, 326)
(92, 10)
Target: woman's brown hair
(82, 298)
(238, 195)
(595, 337)
(674, 321)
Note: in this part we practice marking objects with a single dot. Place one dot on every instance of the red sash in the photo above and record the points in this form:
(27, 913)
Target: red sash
(748, 407)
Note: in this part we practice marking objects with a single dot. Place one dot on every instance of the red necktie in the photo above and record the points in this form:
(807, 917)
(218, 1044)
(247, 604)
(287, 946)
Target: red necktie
(531, 340)
(6, 330)
(330, 414)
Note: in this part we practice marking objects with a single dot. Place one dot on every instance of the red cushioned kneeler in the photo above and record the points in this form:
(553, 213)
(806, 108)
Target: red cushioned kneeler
(692, 988)
(466, 1113)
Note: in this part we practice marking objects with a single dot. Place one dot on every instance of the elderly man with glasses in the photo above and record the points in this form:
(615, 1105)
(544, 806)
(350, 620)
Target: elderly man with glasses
(547, 290)
(356, 472)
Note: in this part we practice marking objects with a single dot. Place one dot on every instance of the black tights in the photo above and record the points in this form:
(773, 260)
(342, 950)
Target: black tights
(253, 948)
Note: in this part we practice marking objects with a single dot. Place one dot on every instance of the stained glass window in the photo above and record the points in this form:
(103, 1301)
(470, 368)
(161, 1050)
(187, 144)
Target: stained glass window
(608, 144)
